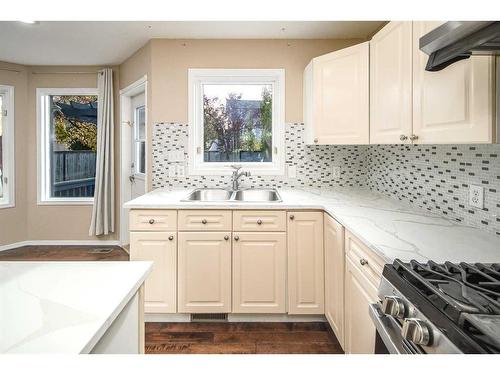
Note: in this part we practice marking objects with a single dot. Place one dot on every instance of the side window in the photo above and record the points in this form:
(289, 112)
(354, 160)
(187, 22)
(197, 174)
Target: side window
(68, 144)
(7, 164)
(140, 140)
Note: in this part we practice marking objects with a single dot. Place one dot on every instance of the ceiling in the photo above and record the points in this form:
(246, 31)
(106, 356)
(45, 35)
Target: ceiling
(111, 42)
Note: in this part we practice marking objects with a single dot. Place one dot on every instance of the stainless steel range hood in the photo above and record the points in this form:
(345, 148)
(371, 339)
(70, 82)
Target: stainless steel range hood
(458, 40)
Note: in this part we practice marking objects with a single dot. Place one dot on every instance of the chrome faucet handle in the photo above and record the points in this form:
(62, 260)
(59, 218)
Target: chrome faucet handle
(235, 167)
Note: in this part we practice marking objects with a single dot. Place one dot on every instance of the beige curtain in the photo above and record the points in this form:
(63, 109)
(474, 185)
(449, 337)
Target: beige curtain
(103, 212)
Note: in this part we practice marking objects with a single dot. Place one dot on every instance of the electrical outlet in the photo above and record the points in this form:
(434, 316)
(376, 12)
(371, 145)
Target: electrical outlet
(476, 196)
(335, 171)
(180, 171)
(292, 171)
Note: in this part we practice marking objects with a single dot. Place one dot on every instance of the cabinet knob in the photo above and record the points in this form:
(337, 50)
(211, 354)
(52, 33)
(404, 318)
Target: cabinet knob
(236, 238)
(170, 238)
(226, 238)
(413, 137)
(363, 262)
(204, 221)
(151, 221)
(315, 140)
(292, 217)
(403, 137)
(259, 222)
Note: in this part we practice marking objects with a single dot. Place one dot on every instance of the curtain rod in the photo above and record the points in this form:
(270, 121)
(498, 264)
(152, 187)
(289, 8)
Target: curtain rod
(93, 72)
(11, 70)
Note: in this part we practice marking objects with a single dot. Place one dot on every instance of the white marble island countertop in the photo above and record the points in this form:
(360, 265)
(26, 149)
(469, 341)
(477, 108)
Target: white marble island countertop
(63, 307)
(391, 228)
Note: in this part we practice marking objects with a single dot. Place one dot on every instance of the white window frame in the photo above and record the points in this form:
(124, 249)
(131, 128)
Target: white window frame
(8, 146)
(137, 141)
(43, 135)
(196, 79)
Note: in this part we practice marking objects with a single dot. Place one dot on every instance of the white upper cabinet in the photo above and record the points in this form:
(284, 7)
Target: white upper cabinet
(336, 97)
(454, 105)
(391, 84)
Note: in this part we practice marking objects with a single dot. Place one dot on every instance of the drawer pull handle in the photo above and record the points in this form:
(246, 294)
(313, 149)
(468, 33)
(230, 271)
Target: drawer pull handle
(259, 222)
(226, 238)
(236, 238)
(151, 221)
(363, 262)
(170, 238)
(292, 217)
(204, 221)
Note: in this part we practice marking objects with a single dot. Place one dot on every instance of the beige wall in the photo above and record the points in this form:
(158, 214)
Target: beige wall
(136, 66)
(13, 220)
(60, 222)
(166, 63)
(171, 59)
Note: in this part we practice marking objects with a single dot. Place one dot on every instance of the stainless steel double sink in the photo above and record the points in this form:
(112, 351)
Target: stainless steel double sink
(242, 195)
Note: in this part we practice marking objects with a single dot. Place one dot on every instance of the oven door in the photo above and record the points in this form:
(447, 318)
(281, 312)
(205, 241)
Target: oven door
(389, 339)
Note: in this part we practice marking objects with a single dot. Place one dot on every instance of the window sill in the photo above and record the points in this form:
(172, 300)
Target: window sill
(7, 205)
(227, 171)
(66, 202)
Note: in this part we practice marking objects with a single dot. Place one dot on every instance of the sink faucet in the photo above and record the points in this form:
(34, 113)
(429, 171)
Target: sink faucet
(236, 175)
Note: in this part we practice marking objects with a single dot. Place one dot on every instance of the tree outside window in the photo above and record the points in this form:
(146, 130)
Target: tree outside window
(237, 122)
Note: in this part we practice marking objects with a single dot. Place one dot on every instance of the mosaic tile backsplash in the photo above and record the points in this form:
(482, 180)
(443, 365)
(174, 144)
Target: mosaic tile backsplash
(314, 164)
(432, 177)
(437, 178)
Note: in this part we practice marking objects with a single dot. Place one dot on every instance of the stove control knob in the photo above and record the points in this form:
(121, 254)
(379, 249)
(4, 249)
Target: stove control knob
(416, 331)
(393, 306)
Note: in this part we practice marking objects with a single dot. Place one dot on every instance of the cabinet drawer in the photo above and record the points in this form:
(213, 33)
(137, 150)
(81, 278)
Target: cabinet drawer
(259, 221)
(370, 264)
(153, 220)
(200, 220)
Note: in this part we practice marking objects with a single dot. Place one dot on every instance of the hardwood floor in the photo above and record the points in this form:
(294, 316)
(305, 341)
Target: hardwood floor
(200, 338)
(241, 338)
(64, 253)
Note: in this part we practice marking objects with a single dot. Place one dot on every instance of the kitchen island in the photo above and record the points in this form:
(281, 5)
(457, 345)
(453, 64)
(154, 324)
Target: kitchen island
(72, 307)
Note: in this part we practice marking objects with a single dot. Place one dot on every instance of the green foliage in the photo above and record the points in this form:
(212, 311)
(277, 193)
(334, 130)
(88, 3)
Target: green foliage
(233, 127)
(73, 133)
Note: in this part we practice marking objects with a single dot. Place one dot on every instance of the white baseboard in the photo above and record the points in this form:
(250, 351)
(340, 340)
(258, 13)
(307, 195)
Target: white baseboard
(59, 243)
(184, 318)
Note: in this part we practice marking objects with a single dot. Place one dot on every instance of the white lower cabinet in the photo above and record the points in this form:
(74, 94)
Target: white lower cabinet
(312, 266)
(305, 263)
(204, 272)
(360, 331)
(259, 272)
(334, 276)
(161, 285)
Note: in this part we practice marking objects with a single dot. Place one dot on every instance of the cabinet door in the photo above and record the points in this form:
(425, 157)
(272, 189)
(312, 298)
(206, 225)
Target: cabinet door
(204, 268)
(305, 263)
(391, 84)
(334, 276)
(161, 284)
(360, 331)
(339, 97)
(259, 272)
(454, 105)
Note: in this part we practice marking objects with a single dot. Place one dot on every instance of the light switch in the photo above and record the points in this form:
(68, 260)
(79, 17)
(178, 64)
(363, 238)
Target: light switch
(171, 171)
(336, 171)
(292, 171)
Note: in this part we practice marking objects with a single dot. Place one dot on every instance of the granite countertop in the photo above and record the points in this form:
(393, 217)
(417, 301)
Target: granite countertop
(63, 307)
(390, 228)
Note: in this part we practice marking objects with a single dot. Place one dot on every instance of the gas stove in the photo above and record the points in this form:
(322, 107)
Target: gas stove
(438, 308)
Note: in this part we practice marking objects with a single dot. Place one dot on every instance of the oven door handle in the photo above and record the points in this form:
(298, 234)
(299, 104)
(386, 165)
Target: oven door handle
(389, 331)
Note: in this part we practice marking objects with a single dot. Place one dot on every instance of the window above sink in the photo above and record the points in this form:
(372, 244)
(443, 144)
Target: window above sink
(236, 116)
